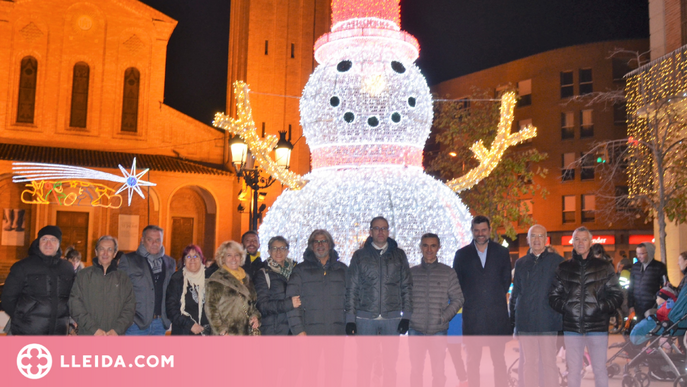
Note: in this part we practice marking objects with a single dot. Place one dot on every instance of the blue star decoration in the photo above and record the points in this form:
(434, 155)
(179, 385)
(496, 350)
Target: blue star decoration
(133, 182)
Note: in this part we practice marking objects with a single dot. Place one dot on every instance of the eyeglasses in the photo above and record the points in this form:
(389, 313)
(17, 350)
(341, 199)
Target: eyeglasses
(540, 236)
(320, 242)
(282, 248)
(190, 257)
(376, 229)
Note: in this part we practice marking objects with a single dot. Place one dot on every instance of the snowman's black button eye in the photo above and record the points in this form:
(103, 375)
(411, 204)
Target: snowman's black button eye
(396, 118)
(344, 66)
(398, 67)
(373, 121)
(411, 101)
(349, 117)
(334, 101)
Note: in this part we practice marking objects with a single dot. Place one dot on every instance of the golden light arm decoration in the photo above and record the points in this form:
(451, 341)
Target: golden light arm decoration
(489, 158)
(244, 126)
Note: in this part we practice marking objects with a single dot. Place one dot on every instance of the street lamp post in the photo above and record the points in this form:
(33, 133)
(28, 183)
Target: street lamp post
(244, 165)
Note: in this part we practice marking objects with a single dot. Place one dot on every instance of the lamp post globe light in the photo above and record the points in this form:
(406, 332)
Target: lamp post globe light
(244, 165)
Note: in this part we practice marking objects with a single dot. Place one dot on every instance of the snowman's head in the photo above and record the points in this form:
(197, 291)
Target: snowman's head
(366, 103)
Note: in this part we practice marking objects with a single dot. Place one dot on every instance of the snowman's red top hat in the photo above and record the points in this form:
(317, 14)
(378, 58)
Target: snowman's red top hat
(358, 21)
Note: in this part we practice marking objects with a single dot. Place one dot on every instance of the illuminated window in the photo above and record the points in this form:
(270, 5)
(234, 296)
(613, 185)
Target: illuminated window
(586, 124)
(569, 209)
(568, 167)
(567, 84)
(132, 83)
(567, 126)
(79, 110)
(586, 85)
(588, 208)
(524, 93)
(26, 104)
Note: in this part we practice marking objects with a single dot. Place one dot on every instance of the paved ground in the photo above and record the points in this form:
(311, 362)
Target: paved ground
(486, 372)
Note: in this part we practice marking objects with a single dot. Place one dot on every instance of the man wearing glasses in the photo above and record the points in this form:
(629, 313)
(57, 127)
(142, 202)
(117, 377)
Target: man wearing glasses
(378, 297)
(320, 282)
(536, 323)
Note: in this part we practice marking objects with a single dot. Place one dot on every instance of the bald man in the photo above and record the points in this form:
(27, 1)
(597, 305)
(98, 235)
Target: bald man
(536, 323)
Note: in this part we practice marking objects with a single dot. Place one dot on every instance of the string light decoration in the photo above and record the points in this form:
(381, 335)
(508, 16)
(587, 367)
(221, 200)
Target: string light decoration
(489, 158)
(366, 114)
(656, 98)
(244, 126)
(131, 180)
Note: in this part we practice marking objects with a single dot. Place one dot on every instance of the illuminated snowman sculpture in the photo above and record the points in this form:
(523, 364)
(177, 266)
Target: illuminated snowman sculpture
(366, 113)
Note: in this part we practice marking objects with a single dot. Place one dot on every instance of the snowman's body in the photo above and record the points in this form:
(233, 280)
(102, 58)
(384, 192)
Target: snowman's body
(366, 113)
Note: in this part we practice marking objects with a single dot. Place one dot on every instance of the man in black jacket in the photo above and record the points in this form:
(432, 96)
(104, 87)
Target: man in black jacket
(484, 271)
(251, 242)
(320, 282)
(646, 278)
(378, 297)
(535, 322)
(36, 292)
(585, 291)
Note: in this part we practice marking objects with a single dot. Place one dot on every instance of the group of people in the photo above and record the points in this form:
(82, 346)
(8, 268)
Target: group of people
(237, 293)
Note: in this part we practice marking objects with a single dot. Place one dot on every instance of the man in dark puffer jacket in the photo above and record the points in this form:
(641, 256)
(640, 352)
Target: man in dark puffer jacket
(378, 298)
(585, 291)
(647, 277)
(37, 289)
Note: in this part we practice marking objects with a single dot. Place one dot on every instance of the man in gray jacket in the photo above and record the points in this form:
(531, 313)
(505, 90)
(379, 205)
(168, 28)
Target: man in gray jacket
(437, 298)
(150, 271)
(536, 323)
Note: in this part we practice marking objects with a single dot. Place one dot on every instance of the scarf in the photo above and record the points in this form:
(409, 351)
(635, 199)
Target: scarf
(197, 283)
(239, 274)
(282, 270)
(154, 260)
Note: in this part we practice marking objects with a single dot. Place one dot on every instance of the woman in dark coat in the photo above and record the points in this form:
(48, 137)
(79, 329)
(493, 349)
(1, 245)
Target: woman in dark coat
(186, 295)
(270, 284)
(230, 295)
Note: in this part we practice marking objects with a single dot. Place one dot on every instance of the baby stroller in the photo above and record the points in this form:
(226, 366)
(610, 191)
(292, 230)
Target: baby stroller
(653, 354)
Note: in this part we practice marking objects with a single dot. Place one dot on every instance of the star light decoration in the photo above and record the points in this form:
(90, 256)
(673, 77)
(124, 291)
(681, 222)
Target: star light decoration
(131, 181)
(366, 114)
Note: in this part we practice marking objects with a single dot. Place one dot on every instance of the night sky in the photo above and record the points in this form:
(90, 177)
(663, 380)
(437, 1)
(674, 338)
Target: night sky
(457, 37)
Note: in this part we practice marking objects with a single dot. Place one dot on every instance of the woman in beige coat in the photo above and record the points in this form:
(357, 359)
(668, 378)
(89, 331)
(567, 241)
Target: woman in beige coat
(230, 295)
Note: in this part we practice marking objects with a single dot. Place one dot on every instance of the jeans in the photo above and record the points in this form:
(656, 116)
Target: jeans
(377, 350)
(156, 328)
(436, 346)
(597, 346)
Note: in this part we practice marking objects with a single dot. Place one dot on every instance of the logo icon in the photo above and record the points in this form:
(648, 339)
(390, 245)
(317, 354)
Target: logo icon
(34, 361)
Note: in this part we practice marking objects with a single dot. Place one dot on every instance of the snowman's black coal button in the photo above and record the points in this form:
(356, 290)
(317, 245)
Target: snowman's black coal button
(349, 117)
(398, 67)
(373, 121)
(411, 101)
(396, 118)
(334, 101)
(344, 66)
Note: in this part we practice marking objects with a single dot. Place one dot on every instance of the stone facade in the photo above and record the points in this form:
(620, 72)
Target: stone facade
(107, 107)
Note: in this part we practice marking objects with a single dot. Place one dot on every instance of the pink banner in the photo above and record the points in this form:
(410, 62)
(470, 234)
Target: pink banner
(247, 361)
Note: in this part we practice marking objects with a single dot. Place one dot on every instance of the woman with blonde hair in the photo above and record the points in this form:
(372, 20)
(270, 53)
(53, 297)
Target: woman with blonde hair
(230, 295)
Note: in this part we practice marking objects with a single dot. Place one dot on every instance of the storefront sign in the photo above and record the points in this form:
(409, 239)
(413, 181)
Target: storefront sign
(601, 239)
(637, 239)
